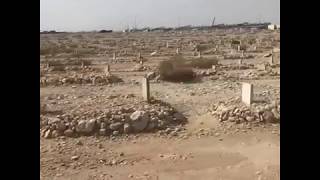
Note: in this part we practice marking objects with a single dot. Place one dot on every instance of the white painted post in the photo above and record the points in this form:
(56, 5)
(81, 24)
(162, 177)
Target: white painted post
(247, 93)
(145, 89)
(114, 56)
(177, 51)
(213, 67)
(272, 58)
(107, 70)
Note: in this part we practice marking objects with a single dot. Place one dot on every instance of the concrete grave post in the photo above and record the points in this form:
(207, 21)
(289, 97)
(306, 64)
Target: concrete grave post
(247, 93)
(239, 47)
(213, 67)
(272, 58)
(114, 56)
(145, 89)
(107, 70)
(178, 51)
(199, 54)
(82, 64)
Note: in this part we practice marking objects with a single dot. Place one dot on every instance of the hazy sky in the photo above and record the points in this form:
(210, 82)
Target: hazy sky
(84, 15)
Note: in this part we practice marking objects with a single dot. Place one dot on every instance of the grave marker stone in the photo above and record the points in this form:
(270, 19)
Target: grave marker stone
(145, 89)
(114, 56)
(247, 93)
(107, 69)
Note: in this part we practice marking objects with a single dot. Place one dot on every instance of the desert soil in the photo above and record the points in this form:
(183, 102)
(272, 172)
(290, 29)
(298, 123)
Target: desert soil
(223, 154)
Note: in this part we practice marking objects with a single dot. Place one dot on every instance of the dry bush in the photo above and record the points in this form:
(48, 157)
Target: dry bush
(176, 70)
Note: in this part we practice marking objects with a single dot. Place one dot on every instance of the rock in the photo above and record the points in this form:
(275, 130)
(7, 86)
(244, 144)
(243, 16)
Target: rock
(74, 158)
(115, 133)
(157, 78)
(102, 125)
(268, 117)
(169, 118)
(161, 115)
(151, 126)
(161, 124)
(267, 55)
(126, 128)
(47, 134)
(61, 126)
(276, 114)
(138, 67)
(68, 133)
(102, 132)
(151, 75)
(42, 132)
(54, 134)
(153, 53)
(179, 116)
(85, 126)
(79, 143)
(139, 120)
(249, 118)
(115, 126)
(232, 119)
(53, 120)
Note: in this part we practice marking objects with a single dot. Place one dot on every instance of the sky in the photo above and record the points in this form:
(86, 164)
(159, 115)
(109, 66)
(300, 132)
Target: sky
(88, 15)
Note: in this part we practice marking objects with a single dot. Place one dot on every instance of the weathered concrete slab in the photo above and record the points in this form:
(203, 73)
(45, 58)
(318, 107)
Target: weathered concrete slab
(145, 89)
(247, 93)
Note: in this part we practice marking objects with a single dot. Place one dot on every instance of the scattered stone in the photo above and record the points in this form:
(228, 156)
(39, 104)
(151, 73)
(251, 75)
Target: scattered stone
(268, 117)
(53, 120)
(115, 133)
(126, 128)
(47, 134)
(115, 126)
(74, 158)
(139, 120)
(68, 133)
(130, 176)
(86, 126)
(249, 118)
(102, 132)
(151, 75)
(79, 143)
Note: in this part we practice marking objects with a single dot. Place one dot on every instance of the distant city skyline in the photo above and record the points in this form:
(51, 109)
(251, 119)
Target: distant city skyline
(88, 15)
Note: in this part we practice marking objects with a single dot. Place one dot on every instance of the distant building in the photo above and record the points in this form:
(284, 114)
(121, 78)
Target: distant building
(273, 27)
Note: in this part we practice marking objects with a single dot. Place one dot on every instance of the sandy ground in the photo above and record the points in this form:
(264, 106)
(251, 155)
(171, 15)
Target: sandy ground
(245, 155)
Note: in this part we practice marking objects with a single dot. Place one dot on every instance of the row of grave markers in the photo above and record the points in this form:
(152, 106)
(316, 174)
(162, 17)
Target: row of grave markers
(246, 92)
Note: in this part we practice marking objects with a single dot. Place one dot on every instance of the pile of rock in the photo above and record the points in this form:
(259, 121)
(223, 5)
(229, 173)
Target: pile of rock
(207, 72)
(235, 67)
(263, 113)
(139, 67)
(114, 121)
(95, 79)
